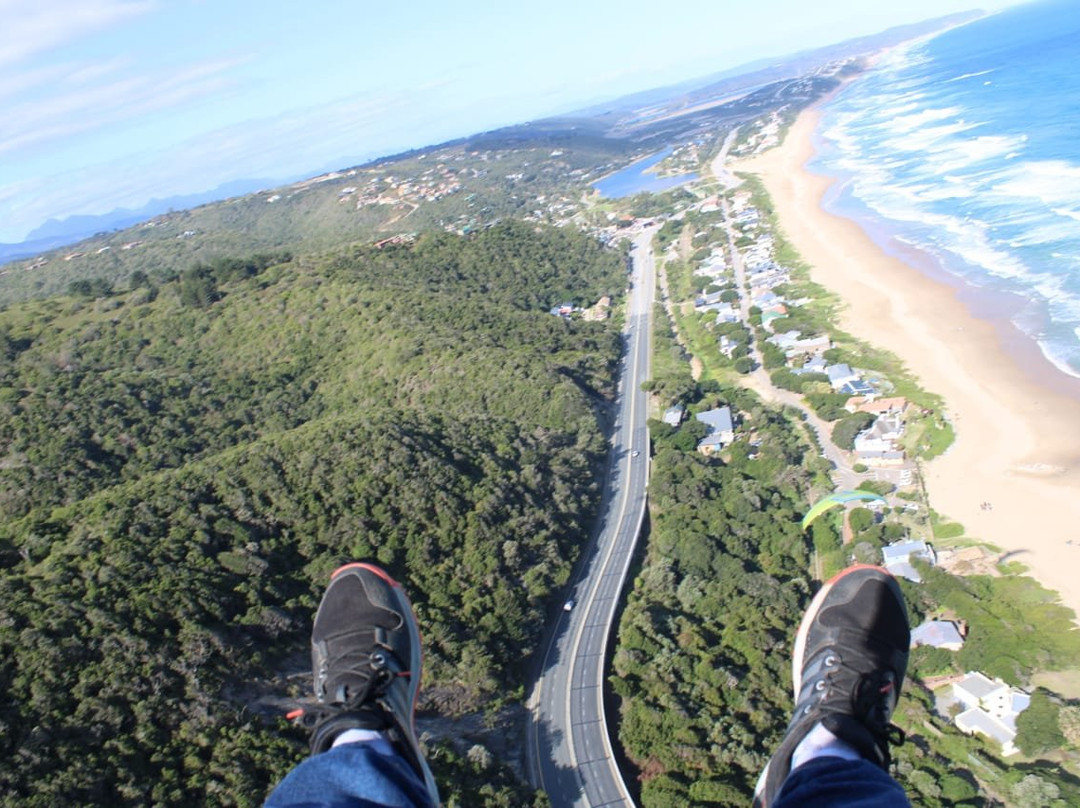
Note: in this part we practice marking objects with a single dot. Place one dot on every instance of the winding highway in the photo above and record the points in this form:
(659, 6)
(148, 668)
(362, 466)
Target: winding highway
(570, 753)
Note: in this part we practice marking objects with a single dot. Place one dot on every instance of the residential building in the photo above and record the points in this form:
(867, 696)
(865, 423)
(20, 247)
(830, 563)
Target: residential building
(938, 634)
(992, 708)
(673, 416)
(896, 558)
(721, 430)
(841, 374)
(791, 343)
(857, 387)
(877, 445)
(877, 406)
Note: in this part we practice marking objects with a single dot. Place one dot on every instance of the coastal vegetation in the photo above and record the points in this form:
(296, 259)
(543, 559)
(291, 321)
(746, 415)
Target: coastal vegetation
(706, 634)
(181, 472)
(702, 666)
(702, 663)
(929, 433)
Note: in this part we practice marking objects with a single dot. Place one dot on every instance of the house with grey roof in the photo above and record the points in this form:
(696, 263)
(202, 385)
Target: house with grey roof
(703, 301)
(841, 374)
(938, 634)
(673, 415)
(878, 444)
(721, 430)
(896, 558)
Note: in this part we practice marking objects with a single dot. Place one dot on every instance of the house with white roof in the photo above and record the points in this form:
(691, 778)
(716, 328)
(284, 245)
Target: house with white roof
(896, 558)
(792, 345)
(721, 430)
(992, 708)
(877, 445)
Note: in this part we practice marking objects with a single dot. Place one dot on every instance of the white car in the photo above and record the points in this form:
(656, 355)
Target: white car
(569, 605)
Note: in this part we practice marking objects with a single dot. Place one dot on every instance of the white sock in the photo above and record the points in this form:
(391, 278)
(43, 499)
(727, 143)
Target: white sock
(373, 737)
(819, 742)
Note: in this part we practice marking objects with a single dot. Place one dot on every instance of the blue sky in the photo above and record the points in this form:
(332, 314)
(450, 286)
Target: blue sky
(110, 103)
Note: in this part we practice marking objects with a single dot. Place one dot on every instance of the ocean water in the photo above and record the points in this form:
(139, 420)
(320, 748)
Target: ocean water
(967, 146)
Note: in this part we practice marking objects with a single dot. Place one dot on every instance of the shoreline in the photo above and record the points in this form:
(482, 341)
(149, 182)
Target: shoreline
(1013, 411)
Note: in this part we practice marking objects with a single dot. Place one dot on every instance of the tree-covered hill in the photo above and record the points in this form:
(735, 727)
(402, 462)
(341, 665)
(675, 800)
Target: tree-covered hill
(458, 187)
(182, 465)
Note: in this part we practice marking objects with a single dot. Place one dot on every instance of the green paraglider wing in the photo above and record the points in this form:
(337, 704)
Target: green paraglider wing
(834, 500)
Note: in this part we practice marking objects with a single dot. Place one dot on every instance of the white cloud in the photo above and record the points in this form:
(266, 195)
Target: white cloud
(31, 28)
(83, 106)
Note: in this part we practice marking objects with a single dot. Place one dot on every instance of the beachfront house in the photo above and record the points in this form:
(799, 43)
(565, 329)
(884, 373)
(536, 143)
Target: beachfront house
(857, 388)
(991, 709)
(878, 406)
(877, 445)
(841, 374)
(792, 343)
(896, 558)
(721, 430)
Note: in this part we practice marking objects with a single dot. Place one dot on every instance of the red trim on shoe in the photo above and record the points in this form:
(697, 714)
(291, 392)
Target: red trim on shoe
(363, 565)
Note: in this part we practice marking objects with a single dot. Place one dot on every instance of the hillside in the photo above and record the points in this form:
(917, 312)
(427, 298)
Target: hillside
(458, 187)
(184, 463)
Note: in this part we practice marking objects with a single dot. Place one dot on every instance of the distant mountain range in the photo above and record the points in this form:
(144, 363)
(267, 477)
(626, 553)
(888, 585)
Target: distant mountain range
(58, 232)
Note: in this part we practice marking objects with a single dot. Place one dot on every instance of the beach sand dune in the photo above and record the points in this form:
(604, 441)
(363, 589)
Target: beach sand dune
(1017, 417)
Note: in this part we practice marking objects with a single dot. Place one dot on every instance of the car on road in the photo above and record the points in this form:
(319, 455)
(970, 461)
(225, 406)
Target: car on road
(635, 453)
(569, 605)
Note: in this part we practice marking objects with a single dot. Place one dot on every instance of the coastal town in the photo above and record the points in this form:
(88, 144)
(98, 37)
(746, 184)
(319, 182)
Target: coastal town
(750, 304)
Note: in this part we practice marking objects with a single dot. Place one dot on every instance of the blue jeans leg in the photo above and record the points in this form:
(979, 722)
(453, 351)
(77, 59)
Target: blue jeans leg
(353, 775)
(831, 782)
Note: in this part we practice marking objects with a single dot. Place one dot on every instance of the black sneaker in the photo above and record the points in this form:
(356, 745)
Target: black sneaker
(850, 658)
(366, 660)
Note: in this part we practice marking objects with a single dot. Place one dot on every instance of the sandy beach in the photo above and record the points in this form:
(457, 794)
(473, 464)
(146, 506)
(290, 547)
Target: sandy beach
(1016, 416)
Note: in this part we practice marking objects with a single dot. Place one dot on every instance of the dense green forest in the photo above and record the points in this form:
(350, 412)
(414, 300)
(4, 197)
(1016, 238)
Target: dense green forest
(183, 464)
(703, 661)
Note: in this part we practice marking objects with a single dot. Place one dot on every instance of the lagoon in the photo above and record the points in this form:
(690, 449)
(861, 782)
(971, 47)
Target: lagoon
(637, 178)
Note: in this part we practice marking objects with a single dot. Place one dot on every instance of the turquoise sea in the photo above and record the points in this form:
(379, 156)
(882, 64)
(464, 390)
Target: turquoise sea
(966, 146)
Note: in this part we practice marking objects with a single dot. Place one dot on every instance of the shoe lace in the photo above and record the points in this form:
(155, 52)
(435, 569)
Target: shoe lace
(351, 666)
(873, 699)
